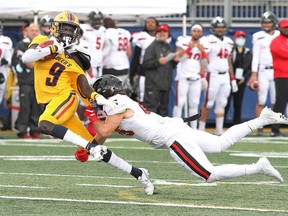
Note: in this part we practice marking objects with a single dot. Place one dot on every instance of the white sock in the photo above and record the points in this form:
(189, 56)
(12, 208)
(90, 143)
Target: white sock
(193, 111)
(202, 125)
(237, 132)
(219, 125)
(75, 139)
(232, 171)
(121, 164)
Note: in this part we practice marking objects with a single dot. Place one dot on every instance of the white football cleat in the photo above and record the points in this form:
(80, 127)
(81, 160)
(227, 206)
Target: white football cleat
(267, 169)
(273, 117)
(145, 182)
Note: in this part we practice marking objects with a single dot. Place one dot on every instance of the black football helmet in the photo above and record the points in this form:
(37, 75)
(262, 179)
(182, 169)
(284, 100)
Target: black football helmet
(269, 17)
(96, 19)
(108, 85)
(218, 22)
(45, 24)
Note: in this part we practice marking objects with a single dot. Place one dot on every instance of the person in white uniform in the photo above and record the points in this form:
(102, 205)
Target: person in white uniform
(6, 52)
(190, 73)
(186, 145)
(262, 64)
(116, 61)
(94, 34)
(219, 74)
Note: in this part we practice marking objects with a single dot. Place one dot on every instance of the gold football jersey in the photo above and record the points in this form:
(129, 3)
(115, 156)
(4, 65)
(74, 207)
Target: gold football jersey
(55, 76)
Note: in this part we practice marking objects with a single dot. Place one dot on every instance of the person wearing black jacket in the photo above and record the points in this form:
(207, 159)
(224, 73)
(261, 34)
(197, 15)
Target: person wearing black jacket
(158, 71)
(241, 58)
(30, 111)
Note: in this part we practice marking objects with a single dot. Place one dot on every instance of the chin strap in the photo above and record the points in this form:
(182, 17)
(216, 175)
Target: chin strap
(192, 118)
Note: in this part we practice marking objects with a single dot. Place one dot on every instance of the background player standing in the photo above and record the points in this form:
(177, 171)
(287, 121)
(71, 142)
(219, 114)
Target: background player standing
(262, 65)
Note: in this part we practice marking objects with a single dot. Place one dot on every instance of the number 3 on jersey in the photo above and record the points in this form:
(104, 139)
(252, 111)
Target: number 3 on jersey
(55, 71)
(223, 53)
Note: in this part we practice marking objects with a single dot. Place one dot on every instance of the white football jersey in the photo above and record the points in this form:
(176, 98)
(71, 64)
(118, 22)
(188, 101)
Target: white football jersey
(96, 39)
(6, 51)
(261, 49)
(142, 40)
(117, 58)
(146, 126)
(218, 52)
(189, 65)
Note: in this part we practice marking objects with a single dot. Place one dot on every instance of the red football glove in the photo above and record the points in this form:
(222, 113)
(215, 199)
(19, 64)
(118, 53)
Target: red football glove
(90, 113)
(91, 129)
(81, 155)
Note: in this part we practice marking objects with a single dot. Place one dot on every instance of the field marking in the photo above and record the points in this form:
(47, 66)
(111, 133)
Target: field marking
(261, 154)
(144, 204)
(22, 186)
(107, 185)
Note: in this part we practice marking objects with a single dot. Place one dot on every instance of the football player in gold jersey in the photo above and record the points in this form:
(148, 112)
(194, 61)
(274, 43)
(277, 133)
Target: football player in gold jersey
(59, 78)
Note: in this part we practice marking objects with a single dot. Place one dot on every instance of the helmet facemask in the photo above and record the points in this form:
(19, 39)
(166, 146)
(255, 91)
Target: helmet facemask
(66, 32)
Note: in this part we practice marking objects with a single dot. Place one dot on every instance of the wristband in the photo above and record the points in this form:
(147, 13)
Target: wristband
(232, 78)
(202, 75)
(53, 49)
(204, 55)
(187, 51)
(94, 95)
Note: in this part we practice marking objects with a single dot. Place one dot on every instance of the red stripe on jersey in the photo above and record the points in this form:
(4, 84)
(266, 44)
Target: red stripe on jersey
(207, 90)
(66, 108)
(189, 160)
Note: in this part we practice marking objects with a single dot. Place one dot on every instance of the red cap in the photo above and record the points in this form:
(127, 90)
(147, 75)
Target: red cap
(283, 23)
(163, 27)
(239, 33)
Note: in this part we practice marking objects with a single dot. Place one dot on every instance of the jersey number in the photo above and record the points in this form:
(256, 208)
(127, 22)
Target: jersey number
(196, 56)
(122, 43)
(55, 71)
(98, 42)
(223, 53)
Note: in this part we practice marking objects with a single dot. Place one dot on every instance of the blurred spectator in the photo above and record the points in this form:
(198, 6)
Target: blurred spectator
(220, 74)
(190, 73)
(5, 60)
(117, 60)
(45, 24)
(29, 109)
(262, 65)
(141, 40)
(94, 34)
(241, 59)
(279, 51)
(158, 71)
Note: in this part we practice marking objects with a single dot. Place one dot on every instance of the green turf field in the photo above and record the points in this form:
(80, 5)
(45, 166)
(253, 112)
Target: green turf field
(41, 177)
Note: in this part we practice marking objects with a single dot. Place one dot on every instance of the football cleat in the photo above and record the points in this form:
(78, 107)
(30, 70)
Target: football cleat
(145, 182)
(273, 117)
(267, 169)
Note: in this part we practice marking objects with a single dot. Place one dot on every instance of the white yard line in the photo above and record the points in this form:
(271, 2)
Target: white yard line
(144, 204)
(106, 185)
(21, 186)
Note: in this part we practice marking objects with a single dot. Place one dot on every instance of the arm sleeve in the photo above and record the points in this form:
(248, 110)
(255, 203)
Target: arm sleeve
(32, 55)
(255, 51)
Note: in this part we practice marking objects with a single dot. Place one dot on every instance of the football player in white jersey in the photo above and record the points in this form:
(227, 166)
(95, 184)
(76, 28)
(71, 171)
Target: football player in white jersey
(141, 40)
(219, 73)
(6, 52)
(186, 145)
(190, 72)
(262, 64)
(94, 34)
(116, 62)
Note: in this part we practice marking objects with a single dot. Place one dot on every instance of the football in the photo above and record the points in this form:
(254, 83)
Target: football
(254, 86)
(47, 44)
